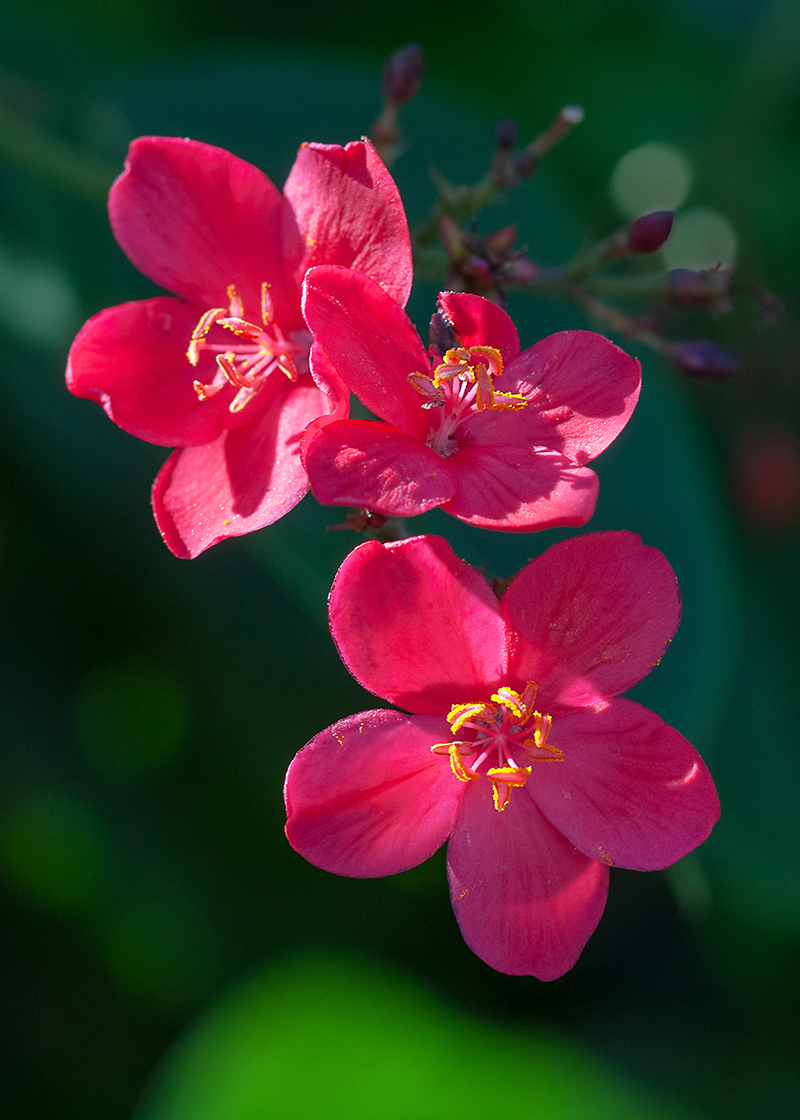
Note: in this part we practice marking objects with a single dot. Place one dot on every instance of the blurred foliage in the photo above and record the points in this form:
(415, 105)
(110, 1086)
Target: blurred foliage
(141, 847)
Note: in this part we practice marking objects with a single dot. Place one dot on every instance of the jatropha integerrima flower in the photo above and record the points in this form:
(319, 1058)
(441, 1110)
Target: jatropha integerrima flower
(497, 436)
(222, 372)
(518, 750)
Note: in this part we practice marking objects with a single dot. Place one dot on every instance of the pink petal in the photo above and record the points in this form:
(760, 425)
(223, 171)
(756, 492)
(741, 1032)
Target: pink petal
(630, 789)
(369, 463)
(582, 387)
(244, 480)
(370, 342)
(196, 219)
(526, 900)
(132, 360)
(590, 617)
(349, 212)
(416, 625)
(519, 489)
(367, 797)
(479, 322)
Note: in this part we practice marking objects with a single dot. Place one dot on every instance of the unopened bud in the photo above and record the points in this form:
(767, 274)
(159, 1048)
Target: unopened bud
(519, 270)
(703, 360)
(648, 233)
(768, 478)
(402, 75)
(525, 164)
(686, 287)
(442, 334)
(505, 134)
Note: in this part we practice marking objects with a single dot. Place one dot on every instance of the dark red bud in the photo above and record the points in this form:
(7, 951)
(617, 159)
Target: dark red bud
(703, 360)
(505, 134)
(525, 164)
(442, 335)
(648, 233)
(478, 271)
(402, 74)
(519, 271)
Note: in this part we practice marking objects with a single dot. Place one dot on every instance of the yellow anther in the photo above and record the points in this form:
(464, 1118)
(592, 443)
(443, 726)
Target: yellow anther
(462, 772)
(460, 714)
(511, 699)
(504, 779)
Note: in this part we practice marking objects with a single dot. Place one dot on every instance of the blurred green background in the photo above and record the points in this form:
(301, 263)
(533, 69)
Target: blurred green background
(154, 918)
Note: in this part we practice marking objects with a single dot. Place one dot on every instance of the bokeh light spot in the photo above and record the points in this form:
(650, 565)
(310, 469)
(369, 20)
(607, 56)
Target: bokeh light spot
(53, 848)
(132, 715)
(650, 177)
(701, 238)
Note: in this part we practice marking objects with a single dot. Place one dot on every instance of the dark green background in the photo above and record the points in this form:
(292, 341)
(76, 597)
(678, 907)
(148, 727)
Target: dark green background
(149, 707)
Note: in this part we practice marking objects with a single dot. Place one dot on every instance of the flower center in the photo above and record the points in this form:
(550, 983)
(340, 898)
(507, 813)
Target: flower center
(460, 386)
(247, 364)
(508, 731)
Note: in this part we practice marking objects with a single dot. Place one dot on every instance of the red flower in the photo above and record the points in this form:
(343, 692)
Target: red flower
(496, 437)
(221, 373)
(519, 749)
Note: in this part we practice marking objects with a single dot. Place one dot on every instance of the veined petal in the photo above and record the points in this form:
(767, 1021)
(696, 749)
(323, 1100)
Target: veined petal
(367, 797)
(480, 322)
(132, 360)
(590, 617)
(370, 342)
(244, 480)
(369, 463)
(416, 625)
(518, 488)
(349, 213)
(196, 219)
(581, 390)
(630, 790)
(526, 900)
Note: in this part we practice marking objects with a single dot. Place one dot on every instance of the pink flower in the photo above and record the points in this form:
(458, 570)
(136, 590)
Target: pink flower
(222, 372)
(496, 437)
(518, 749)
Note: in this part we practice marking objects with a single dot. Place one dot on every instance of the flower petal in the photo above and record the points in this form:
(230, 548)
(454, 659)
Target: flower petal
(246, 479)
(581, 387)
(630, 790)
(369, 463)
(196, 219)
(590, 617)
(416, 625)
(367, 797)
(526, 900)
(132, 360)
(370, 342)
(519, 488)
(349, 212)
(480, 322)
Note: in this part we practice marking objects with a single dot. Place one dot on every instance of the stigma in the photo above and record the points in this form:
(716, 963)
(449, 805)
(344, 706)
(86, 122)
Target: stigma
(459, 386)
(244, 364)
(507, 734)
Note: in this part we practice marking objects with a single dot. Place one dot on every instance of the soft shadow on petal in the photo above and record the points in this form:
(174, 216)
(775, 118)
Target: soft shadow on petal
(596, 611)
(526, 900)
(367, 797)
(630, 789)
(519, 489)
(416, 625)
(246, 479)
(580, 387)
(370, 342)
(370, 463)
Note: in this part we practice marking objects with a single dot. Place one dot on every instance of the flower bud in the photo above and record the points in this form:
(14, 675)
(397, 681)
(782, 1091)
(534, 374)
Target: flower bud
(519, 270)
(703, 360)
(648, 233)
(505, 134)
(767, 473)
(710, 288)
(402, 75)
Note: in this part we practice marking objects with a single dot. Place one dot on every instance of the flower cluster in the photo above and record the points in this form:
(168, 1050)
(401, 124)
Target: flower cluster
(511, 743)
